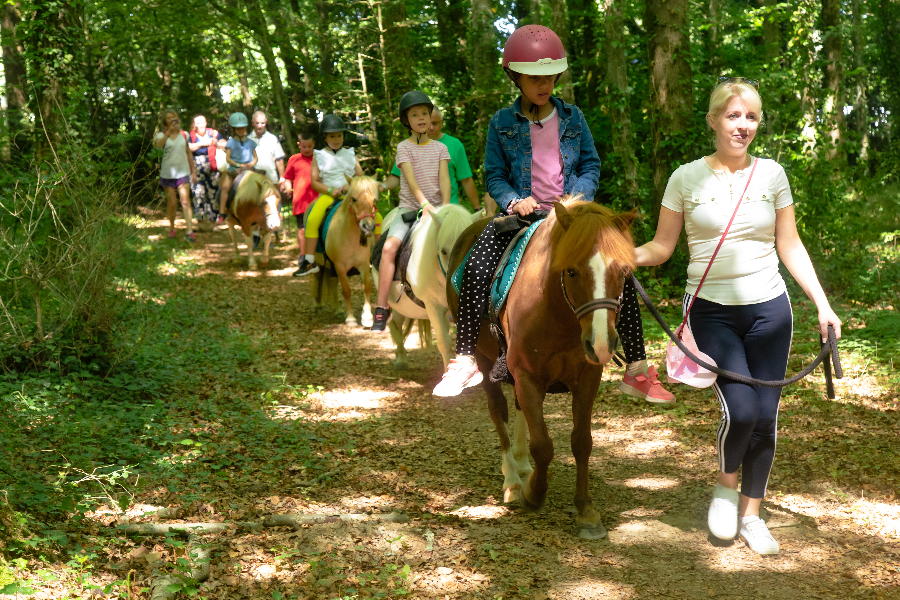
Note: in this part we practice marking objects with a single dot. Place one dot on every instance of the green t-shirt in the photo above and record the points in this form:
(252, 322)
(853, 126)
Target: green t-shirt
(459, 165)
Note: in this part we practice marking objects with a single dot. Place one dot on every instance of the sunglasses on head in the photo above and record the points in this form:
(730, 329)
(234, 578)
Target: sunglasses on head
(753, 82)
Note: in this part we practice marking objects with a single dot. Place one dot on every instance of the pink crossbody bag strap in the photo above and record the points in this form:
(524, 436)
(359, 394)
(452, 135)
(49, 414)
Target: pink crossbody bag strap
(721, 240)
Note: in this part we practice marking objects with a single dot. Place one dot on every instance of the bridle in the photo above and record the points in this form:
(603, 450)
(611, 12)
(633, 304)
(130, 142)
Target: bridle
(362, 216)
(591, 305)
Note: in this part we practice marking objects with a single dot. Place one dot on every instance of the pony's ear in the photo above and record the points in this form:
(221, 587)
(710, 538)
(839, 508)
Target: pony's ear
(624, 220)
(438, 217)
(562, 215)
(348, 178)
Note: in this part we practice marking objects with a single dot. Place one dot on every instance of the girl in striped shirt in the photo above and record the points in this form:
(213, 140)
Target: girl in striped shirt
(425, 184)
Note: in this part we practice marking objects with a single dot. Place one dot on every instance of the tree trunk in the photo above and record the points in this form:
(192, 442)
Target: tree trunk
(289, 56)
(860, 101)
(255, 10)
(618, 97)
(451, 20)
(713, 36)
(396, 49)
(671, 93)
(560, 25)
(587, 51)
(54, 45)
(832, 50)
(326, 60)
(771, 32)
(887, 15)
(15, 75)
(483, 41)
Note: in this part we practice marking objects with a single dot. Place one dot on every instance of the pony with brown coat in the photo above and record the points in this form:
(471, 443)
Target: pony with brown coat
(349, 244)
(559, 321)
(254, 207)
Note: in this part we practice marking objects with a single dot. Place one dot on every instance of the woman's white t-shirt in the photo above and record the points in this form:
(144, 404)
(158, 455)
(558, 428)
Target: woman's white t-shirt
(175, 159)
(746, 268)
(334, 165)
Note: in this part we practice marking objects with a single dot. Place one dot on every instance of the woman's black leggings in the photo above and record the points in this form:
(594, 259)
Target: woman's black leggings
(753, 340)
(475, 291)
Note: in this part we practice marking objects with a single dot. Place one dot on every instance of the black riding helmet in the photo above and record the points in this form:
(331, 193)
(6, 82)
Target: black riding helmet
(413, 98)
(331, 124)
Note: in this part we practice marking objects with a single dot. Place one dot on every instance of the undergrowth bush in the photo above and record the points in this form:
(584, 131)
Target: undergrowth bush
(59, 242)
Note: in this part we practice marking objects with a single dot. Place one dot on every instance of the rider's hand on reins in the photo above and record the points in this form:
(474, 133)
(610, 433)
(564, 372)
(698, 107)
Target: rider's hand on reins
(525, 206)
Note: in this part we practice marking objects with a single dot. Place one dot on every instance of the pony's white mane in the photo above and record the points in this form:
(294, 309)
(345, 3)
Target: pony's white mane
(253, 189)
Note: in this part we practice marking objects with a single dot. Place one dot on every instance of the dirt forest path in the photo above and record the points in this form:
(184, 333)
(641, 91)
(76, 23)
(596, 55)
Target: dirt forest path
(437, 461)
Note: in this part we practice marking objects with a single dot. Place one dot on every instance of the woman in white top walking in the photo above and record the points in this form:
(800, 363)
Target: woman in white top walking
(742, 316)
(177, 170)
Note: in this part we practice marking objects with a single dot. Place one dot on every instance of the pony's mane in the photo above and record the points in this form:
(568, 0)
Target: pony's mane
(363, 183)
(254, 189)
(585, 236)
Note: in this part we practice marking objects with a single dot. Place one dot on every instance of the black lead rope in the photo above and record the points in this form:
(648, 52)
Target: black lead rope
(829, 347)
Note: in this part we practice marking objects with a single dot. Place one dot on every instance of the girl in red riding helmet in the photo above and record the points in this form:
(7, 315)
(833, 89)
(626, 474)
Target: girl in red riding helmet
(538, 149)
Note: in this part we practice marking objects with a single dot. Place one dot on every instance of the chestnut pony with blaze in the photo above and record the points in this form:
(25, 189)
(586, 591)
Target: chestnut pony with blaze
(253, 207)
(559, 321)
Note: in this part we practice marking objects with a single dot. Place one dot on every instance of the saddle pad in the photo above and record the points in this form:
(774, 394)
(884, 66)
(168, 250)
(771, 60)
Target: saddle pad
(326, 223)
(508, 267)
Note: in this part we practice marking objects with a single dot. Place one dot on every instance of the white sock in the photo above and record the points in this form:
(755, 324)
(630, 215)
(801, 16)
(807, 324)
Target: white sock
(310, 258)
(637, 367)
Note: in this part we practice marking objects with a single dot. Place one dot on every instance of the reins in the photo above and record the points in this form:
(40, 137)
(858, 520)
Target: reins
(829, 347)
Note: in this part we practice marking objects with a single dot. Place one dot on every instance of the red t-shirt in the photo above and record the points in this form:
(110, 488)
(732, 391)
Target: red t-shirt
(299, 171)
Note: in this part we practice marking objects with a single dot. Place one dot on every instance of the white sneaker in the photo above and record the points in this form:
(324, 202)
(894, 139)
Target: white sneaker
(757, 537)
(723, 513)
(462, 373)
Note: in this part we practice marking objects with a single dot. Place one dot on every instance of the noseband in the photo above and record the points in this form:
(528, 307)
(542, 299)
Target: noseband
(591, 305)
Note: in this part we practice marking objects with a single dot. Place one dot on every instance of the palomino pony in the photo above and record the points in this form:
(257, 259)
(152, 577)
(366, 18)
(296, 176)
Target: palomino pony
(254, 206)
(431, 242)
(348, 245)
(559, 322)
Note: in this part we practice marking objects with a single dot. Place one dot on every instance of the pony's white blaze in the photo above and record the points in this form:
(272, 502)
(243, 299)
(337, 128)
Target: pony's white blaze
(600, 332)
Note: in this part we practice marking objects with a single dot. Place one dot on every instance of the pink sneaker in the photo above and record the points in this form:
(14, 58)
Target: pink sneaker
(461, 373)
(171, 234)
(646, 386)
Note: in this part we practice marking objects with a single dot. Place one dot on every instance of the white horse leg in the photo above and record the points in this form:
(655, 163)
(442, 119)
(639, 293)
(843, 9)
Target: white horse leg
(512, 481)
(398, 334)
(251, 260)
(519, 448)
(367, 318)
(438, 317)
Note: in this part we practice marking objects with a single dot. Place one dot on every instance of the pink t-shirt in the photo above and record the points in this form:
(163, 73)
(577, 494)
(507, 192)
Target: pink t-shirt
(547, 166)
(426, 164)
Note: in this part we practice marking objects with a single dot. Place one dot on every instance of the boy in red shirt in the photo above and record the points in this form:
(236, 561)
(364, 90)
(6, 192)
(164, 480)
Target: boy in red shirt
(298, 183)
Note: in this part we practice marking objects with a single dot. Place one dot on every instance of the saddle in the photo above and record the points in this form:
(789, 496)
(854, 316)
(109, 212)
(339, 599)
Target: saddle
(403, 255)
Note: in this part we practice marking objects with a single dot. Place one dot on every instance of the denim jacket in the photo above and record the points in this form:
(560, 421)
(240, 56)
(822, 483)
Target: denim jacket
(507, 156)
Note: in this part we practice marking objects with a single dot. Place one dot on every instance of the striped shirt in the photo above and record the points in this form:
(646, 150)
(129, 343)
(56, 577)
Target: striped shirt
(426, 164)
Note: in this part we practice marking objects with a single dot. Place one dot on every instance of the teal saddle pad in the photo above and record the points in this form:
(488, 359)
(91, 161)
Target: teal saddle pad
(506, 270)
(326, 223)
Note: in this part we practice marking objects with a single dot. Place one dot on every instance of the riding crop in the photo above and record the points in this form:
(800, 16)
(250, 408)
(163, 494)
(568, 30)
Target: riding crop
(829, 347)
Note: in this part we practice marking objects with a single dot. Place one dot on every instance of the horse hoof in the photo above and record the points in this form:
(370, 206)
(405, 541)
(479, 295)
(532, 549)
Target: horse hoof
(511, 495)
(350, 321)
(252, 266)
(401, 365)
(530, 506)
(368, 320)
(265, 265)
(591, 532)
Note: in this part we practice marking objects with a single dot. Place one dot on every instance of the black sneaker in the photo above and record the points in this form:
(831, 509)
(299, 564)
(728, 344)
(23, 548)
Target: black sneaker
(382, 318)
(306, 268)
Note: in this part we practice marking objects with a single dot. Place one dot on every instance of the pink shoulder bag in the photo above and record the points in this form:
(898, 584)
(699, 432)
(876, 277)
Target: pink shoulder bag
(680, 368)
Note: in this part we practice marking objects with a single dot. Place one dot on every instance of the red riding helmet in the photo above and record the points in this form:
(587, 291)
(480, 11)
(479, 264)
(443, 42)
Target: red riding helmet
(534, 50)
